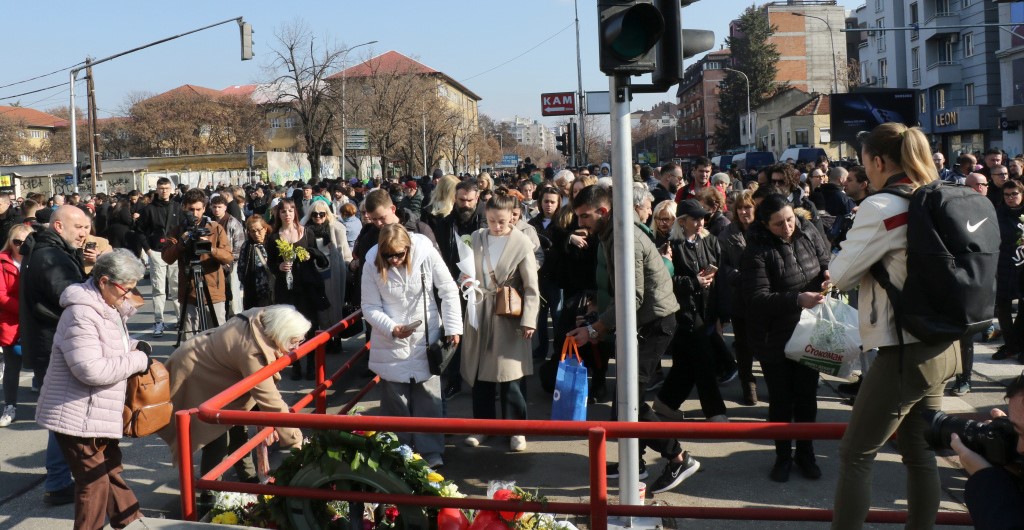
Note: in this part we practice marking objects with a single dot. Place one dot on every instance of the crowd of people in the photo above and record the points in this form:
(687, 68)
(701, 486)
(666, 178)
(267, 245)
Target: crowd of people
(251, 271)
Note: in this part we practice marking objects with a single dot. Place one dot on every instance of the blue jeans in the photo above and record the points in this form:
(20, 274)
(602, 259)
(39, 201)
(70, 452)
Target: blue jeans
(58, 474)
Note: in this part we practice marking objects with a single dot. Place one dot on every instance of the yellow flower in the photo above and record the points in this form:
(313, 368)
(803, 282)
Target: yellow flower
(434, 476)
(226, 518)
(370, 433)
(416, 456)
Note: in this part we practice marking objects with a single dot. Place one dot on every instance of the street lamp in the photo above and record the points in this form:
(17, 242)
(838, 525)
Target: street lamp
(750, 133)
(832, 41)
(344, 74)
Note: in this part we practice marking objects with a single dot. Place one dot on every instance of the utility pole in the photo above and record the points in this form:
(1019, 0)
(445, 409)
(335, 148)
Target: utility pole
(94, 136)
(581, 158)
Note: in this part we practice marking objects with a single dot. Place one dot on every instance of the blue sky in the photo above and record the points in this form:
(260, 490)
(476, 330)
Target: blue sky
(463, 38)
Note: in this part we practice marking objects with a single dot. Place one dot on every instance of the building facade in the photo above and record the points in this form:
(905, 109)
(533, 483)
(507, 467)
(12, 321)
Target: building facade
(697, 101)
(950, 59)
(1011, 70)
(34, 127)
(528, 131)
(811, 44)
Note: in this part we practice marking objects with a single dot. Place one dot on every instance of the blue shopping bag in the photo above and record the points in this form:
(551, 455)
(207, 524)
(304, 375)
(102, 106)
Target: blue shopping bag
(570, 397)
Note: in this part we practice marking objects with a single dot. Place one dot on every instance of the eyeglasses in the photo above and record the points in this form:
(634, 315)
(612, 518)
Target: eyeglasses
(124, 292)
(985, 184)
(778, 181)
(318, 214)
(17, 242)
(1000, 174)
(396, 255)
(1012, 194)
(664, 219)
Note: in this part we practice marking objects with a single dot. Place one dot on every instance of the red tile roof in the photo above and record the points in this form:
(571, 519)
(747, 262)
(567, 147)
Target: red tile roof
(239, 90)
(819, 104)
(389, 62)
(189, 90)
(32, 117)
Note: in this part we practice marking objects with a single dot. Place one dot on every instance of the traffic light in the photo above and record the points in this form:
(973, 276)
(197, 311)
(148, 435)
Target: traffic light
(562, 144)
(677, 44)
(628, 31)
(84, 171)
(246, 29)
(573, 146)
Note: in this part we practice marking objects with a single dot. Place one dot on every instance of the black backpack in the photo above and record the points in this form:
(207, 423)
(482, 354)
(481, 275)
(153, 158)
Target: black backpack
(952, 257)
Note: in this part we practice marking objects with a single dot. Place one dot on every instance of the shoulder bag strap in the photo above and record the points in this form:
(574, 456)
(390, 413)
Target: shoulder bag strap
(426, 322)
(487, 261)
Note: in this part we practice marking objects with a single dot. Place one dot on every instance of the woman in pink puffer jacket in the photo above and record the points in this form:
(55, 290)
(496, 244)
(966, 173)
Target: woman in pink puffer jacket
(84, 391)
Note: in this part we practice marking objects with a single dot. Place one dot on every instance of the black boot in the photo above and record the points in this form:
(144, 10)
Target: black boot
(780, 471)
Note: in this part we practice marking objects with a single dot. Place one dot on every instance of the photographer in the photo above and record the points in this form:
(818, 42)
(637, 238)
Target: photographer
(993, 494)
(198, 238)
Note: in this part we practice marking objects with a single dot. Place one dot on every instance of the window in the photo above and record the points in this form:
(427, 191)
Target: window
(773, 139)
(801, 137)
(968, 40)
(883, 71)
(37, 134)
(915, 65)
(864, 69)
(965, 3)
(941, 7)
(923, 103)
(946, 52)
(969, 93)
(289, 122)
(879, 4)
(880, 35)
(914, 19)
(789, 139)
(275, 123)
(940, 98)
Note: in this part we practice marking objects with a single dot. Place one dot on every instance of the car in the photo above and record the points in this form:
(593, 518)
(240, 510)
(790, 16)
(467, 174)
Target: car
(803, 154)
(753, 160)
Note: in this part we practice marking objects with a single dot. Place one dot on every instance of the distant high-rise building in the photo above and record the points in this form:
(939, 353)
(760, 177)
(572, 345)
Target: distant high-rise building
(528, 131)
(697, 99)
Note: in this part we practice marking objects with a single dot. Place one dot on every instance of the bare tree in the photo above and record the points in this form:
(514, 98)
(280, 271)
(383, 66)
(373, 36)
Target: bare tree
(298, 73)
(13, 143)
(56, 147)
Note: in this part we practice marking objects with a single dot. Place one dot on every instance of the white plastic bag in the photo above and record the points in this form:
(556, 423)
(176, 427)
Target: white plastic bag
(827, 339)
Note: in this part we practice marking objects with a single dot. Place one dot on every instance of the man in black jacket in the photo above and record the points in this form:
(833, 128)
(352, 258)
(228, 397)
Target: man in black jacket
(52, 261)
(155, 221)
(550, 291)
(670, 178)
(464, 219)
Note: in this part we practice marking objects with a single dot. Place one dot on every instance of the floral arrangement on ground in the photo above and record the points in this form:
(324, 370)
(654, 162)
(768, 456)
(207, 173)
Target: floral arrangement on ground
(381, 459)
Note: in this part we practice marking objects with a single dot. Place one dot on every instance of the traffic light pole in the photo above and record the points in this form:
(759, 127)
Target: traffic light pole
(627, 386)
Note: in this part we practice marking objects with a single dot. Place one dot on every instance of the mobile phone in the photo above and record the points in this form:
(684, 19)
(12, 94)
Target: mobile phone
(91, 245)
(663, 248)
(413, 325)
(711, 269)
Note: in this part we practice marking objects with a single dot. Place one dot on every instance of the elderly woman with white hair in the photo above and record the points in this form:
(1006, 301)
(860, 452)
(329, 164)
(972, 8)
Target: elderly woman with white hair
(563, 180)
(212, 361)
(83, 395)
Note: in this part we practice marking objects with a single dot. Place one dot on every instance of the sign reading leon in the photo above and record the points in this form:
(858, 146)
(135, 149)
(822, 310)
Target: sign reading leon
(558, 104)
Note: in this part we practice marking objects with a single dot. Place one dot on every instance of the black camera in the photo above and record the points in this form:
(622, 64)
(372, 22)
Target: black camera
(193, 234)
(995, 440)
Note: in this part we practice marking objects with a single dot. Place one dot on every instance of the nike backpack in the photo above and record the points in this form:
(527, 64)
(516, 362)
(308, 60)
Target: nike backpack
(952, 257)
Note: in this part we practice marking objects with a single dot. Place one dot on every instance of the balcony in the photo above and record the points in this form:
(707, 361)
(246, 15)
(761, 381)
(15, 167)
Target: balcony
(929, 29)
(943, 73)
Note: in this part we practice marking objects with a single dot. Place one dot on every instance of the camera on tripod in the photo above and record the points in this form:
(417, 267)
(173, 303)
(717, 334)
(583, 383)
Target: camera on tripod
(995, 440)
(193, 234)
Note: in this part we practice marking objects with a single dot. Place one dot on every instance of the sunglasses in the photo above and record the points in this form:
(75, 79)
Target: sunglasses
(318, 214)
(396, 255)
(17, 242)
(778, 181)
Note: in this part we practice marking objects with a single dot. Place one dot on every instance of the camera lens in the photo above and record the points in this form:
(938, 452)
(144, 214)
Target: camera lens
(941, 427)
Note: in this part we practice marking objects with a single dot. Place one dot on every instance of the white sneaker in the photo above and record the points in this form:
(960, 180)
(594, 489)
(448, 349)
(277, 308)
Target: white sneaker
(8, 416)
(718, 418)
(474, 440)
(518, 443)
(667, 412)
(158, 329)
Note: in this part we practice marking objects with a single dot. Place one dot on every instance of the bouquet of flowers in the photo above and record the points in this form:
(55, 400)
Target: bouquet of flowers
(290, 253)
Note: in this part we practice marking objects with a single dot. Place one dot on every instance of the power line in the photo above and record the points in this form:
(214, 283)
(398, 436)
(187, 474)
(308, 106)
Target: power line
(34, 91)
(571, 24)
(42, 76)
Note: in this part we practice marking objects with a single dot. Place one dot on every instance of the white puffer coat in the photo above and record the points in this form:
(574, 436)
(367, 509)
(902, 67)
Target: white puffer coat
(84, 390)
(399, 301)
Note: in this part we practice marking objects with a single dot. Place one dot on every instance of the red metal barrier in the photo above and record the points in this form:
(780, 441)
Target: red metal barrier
(597, 433)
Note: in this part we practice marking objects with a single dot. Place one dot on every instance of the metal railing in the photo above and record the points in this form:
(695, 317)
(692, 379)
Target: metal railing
(597, 434)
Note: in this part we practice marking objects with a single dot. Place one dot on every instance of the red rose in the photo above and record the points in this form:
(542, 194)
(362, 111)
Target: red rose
(390, 514)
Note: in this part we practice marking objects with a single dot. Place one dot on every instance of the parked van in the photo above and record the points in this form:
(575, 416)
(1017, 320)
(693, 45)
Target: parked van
(722, 162)
(753, 160)
(802, 154)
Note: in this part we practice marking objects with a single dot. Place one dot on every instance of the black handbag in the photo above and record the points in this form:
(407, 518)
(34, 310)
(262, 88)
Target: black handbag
(439, 352)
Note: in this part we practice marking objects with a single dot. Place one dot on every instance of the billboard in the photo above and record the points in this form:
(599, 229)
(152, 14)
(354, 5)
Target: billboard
(862, 111)
(689, 148)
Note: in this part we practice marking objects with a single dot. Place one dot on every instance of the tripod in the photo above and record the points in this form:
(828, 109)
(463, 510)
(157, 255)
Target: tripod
(204, 303)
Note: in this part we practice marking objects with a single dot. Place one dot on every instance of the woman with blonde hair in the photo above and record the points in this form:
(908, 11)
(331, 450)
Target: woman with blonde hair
(442, 201)
(664, 218)
(331, 239)
(401, 275)
(10, 272)
(908, 376)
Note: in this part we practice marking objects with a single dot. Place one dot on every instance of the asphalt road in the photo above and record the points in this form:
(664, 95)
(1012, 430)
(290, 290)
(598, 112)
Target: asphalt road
(733, 473)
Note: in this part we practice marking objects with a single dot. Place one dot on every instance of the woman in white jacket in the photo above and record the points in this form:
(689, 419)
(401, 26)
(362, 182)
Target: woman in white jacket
(400, 272)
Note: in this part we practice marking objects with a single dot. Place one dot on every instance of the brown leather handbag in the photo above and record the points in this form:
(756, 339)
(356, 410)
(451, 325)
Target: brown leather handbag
(147, 405)
(507, 300)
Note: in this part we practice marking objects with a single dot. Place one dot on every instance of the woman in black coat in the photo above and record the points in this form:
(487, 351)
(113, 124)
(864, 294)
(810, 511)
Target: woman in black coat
(119, 224)
(730, 300)
(254, 272)
(782, 272)
(695, 257)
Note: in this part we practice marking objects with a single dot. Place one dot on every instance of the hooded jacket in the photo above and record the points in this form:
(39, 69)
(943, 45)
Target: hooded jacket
(50, 265)
(156, 220)
(399, 300)
(84, 391)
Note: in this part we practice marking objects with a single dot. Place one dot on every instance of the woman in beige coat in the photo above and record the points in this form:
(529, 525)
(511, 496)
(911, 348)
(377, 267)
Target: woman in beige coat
(212, 361)
(497, 354)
